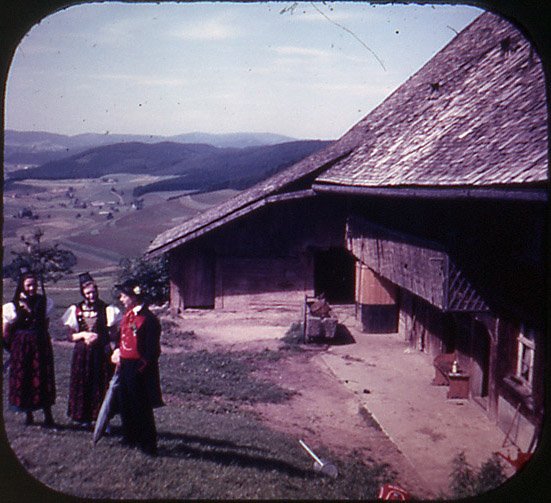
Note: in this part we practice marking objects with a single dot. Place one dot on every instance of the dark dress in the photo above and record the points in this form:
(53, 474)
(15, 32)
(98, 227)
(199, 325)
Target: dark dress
(139, 389)
(31, 379)
(91, 368)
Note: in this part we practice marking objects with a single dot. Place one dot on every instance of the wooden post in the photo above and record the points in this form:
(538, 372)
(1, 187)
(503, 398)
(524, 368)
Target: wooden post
(377, 298)
(492, 326)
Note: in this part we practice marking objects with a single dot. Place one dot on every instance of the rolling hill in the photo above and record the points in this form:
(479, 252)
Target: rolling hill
(198, 167)
(37, 147)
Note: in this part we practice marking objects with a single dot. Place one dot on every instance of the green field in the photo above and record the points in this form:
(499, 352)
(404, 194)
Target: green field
(108, 228)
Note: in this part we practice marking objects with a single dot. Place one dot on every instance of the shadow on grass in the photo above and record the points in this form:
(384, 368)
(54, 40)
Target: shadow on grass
(226, 453)
(166, 435)
(38, 424)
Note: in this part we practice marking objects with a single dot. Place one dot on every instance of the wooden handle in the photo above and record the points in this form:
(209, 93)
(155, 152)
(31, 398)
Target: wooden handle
(309, 451)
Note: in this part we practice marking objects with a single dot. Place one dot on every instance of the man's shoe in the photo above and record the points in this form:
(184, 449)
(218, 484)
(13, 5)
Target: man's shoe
(125, 442)
(150, 450)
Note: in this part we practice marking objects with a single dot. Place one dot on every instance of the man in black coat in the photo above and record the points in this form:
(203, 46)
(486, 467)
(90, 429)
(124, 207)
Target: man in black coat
(137, 356)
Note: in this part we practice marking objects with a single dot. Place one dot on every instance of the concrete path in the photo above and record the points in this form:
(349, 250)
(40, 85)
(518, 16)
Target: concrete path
(393, 383)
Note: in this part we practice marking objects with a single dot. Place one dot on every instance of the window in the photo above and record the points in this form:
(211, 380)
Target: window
(525, 356)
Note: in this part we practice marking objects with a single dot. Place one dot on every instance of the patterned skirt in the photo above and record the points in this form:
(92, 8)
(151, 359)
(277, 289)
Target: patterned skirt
(90, 374)
(31, 379)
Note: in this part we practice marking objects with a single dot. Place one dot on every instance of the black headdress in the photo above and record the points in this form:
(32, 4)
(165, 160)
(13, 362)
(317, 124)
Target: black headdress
(132, 288)
(85, 279)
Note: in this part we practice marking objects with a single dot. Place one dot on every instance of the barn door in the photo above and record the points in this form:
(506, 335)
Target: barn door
(198, 280)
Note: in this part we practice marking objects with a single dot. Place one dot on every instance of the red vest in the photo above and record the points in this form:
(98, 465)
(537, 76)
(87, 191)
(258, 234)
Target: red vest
(129, 341)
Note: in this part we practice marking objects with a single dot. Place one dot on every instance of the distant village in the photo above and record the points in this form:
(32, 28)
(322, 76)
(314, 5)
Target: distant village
(69, 198)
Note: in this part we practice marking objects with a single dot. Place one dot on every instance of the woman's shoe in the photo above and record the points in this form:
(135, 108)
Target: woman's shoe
(48, 418)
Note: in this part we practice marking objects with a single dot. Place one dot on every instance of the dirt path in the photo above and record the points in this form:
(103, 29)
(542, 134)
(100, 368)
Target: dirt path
(324, 413)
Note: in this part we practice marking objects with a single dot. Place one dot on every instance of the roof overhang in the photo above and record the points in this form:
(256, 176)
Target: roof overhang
(224, 219)
(536, 194)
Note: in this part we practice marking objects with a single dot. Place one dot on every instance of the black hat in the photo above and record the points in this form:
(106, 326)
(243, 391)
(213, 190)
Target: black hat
(25, 271)
(130, 287)
(84, 279)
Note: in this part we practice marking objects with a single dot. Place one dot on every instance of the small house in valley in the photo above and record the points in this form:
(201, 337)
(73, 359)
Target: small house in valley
(429, 215)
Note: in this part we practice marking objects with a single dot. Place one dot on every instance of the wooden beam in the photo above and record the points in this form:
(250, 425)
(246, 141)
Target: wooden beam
(535, 194)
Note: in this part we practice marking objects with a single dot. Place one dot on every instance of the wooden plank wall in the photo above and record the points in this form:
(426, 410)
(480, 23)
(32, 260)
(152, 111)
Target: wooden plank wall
(419, 270)
(420, 324)
(372, 288)
(198, 280)
(263, 282)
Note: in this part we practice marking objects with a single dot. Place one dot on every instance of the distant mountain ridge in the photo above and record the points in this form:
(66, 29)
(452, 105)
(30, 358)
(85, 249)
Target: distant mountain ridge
(37, 147)
(198, 167)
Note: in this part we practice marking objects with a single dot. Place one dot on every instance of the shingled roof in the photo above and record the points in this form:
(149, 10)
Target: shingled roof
(474, 116)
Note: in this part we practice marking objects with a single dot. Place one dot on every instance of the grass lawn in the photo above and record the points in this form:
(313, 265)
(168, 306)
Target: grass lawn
(210, 447)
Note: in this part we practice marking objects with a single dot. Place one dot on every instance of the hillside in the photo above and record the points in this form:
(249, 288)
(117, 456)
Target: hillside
(197, 167)
(238, 170)
(37, 147)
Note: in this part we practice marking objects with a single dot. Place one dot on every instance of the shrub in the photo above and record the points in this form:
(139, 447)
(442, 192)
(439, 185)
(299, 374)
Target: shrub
(490, 475)
(467, 481)
(151, 275)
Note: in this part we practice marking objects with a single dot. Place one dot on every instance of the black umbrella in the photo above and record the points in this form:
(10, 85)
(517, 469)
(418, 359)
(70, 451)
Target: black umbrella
(6, 363)
(105, 411)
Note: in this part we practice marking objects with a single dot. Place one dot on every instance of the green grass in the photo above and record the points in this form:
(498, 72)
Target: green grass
(209, 446)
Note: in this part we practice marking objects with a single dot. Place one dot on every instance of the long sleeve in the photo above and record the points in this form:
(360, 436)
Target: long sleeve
(149, 339)
(69, 318)
(114, 315)
(8, 313)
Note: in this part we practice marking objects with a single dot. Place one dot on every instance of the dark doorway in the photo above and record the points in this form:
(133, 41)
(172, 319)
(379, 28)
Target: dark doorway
(481, 356)
(334, 271)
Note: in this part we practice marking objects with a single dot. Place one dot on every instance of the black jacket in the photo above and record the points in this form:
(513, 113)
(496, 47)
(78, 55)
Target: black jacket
(149, 346)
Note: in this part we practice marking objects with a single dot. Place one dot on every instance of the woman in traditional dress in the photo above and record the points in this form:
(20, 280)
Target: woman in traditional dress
(25, 331)
(137, 356)
(91, 323)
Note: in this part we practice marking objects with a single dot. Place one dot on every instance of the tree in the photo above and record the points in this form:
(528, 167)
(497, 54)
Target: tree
(151, 275)
(48, 262)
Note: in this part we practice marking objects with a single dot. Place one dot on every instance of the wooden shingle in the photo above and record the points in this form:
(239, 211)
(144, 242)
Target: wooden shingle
(475, 116)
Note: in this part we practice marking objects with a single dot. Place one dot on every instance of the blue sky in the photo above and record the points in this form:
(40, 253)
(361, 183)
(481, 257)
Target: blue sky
(312, 71)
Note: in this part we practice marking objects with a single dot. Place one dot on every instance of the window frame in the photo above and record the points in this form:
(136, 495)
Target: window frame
(525, 342)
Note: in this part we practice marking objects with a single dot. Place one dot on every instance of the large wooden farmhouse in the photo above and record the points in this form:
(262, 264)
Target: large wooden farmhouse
(429, 215)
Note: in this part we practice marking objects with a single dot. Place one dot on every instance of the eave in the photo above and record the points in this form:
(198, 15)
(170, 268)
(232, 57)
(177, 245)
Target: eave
(534, 194)
(226, 218)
